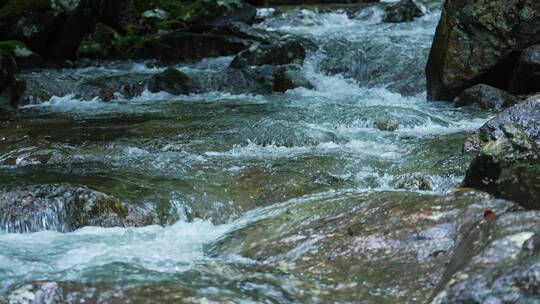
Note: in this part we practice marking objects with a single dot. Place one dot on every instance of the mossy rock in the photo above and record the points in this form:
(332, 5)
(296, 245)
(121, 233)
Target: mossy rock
(104, 43)
(508, 167)
(171, 6)
(171, 81)
(479, 41)
(24, 57)
(216, 13)
(16, 48)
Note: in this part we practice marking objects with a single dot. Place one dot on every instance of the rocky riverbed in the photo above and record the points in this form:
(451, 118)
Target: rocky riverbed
(230, 151)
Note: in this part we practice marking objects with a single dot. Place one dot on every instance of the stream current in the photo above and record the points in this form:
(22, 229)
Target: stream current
(212, 164)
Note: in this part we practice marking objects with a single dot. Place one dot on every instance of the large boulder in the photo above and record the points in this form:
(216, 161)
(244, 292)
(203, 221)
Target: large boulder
(107, 88)
(47, 83)
(333, 247)
(53, 28)
(179, 46)
(479, 42)
(498, 261)
(368, 238)
(244, 31)
(289, 77)
(403, 11)
(103, 43)
(526, 76)
(171, 81)
(508, 161)
(65, 208)
(283, 52)
(218, 12)
(486, 97)
(11, 89)
(24, 57)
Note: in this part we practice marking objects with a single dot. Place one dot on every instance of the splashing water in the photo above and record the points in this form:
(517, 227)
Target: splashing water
(208, 159)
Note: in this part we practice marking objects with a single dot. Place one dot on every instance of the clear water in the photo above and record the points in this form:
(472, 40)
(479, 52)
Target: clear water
(214, 162)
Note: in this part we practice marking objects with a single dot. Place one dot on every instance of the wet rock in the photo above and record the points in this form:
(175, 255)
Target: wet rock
(51, 292)
(103, 43)
(284, 52)
(479, 42)
(39, 154)
(414, 181)
(508, 167)
(526, 76)
(367, 238)
(66, 208)
(24, 57)
(10, 88)
(486, 97)
(244, 31)
(171, 81)
(107, 88)
(494, 263)
(403, 11)
(216, 13)
(43, 85)
(179, 46)
(525, 115)
(386, 125)
(290, 77)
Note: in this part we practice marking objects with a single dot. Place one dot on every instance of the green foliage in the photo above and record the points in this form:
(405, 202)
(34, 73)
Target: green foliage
(14, 48)
(200, 10)
(174, 7)
(15, 8)
(104, 43)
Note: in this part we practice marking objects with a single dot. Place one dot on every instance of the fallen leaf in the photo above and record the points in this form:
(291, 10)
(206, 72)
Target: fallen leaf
(426, 212)
(488, 214)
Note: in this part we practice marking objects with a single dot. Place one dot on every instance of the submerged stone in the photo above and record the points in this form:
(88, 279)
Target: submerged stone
(386, 124)
(414, 181)
(339, 240)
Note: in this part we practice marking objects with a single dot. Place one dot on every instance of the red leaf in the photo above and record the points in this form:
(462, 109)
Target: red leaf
(488, 214)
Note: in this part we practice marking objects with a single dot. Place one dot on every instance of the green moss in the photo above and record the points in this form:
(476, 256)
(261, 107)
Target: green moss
(118, 208)
(105, 34)
(105, 43)
(15, 8)
(15, 48)
(201, 10)
(90, 49)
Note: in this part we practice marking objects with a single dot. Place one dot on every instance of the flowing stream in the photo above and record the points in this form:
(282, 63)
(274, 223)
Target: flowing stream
(212, 163)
